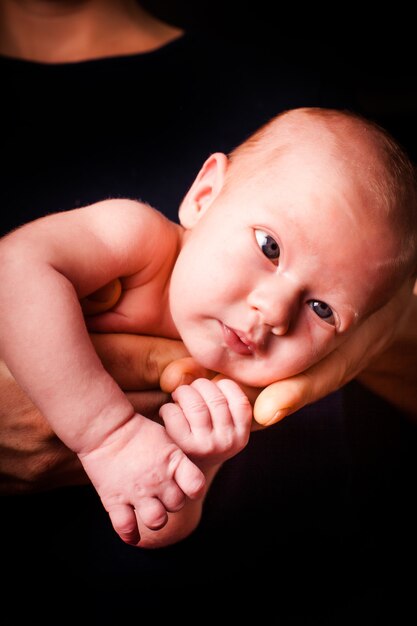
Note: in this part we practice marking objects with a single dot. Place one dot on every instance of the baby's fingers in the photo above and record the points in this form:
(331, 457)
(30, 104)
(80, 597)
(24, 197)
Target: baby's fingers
(176, 424)
(239, 405)
(152, 513)
(189, 478)
(124, 522)
(216, 402)
(199, 409)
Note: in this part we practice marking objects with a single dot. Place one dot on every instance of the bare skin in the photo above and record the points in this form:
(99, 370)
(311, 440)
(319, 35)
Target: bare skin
(32, 457)
(75, 30)
(392, 373)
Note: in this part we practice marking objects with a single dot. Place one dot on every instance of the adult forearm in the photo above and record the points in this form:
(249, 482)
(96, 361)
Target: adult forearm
(393, 374)
(136, 362)
(32, 458)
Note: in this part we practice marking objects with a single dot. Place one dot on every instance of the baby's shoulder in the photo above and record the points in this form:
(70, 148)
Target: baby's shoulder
(130, 218)
(123, 207)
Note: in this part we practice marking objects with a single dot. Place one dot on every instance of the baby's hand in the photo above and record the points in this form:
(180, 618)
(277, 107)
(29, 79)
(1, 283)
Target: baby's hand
(210, 421)
(140, 471)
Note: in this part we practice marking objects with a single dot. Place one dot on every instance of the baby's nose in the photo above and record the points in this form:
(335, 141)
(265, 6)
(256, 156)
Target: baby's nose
(277, 303)
(281, 328)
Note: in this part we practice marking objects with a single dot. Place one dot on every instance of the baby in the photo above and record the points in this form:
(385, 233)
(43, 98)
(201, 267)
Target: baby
(284, 248)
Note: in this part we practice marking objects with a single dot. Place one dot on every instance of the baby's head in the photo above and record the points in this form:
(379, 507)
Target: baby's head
(359, 156)
(291, 242)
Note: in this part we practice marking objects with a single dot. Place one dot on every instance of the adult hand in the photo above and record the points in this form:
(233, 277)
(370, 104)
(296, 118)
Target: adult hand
(393, 374)
(366, 354)
(30, 453)
(32, 458)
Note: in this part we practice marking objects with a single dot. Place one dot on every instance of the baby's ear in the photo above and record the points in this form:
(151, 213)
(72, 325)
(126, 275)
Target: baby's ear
(204, 190)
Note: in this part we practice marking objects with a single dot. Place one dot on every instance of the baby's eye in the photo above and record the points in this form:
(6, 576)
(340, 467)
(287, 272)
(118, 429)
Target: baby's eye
(322, 310)
(268, 245)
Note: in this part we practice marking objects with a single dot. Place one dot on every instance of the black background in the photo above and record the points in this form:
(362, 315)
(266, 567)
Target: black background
(373, 49)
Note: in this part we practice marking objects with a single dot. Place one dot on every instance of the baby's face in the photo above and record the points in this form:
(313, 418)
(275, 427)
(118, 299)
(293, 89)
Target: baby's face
(278, 271)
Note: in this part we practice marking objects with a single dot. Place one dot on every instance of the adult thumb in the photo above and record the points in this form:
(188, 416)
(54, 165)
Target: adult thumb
(289, 395)
(182, 372)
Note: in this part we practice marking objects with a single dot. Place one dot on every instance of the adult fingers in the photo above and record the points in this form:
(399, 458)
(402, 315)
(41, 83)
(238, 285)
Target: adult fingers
(371, 338)
(136, 362)
(148, 402)
(182, 371)
(287, 396)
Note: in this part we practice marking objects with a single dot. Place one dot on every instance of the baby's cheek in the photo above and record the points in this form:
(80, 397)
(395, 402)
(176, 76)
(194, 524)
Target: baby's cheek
(325, 345)
(302, 355)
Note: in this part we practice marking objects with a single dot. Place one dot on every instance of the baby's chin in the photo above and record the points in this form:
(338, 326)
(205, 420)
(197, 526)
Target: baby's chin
(254, 373)
(257, 379)
(251, 371)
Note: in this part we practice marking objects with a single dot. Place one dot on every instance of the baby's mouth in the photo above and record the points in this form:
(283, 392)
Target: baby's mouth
(237, 341)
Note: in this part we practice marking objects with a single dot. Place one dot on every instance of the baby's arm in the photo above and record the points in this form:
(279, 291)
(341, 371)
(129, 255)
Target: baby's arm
(45, 267)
